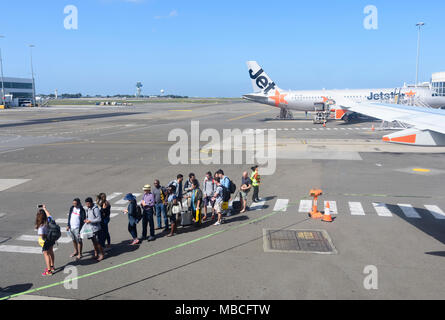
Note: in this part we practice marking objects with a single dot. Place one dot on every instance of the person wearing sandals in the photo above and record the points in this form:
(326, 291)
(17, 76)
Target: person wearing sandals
(43, 217)
(93, 218)
(76, 218)
(172, 206)
(131, 211)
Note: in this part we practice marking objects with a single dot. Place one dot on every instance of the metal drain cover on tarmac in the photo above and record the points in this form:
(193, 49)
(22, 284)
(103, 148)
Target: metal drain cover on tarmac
(298, 241)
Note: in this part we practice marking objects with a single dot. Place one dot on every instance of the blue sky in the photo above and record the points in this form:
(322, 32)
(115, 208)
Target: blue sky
(199, 48)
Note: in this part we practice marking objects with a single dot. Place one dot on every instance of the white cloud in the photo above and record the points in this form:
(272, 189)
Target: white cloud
(172, 14)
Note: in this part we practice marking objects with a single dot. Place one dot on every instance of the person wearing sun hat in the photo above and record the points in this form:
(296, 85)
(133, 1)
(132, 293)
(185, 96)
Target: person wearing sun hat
(132, 217)
(147, 204)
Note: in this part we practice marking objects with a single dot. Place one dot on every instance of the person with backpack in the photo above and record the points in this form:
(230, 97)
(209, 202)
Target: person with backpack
(209, 189)
(256, 180)
(229, 188)
(178, 187)
(76, 218)
(93, 218)
(105, 211)
(160, 194)
(147, 204)
(46, 241)
(134, 216)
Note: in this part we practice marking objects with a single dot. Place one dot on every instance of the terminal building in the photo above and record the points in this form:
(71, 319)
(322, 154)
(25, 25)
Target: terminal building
(438, 83)
(18, 91)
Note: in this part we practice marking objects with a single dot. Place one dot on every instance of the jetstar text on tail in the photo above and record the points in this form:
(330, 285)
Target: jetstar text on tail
(262, 81)
(383, 96)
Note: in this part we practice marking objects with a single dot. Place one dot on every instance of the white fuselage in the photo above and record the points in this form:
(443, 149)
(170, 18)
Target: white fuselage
(311, 100)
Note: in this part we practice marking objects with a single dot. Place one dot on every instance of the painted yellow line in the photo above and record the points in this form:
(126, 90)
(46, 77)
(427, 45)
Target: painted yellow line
(248, 115)
(421, 170)
(180, 110)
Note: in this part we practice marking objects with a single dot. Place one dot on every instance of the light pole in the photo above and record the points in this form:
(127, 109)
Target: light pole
(419, 25)
(1, 67)
(32, 74)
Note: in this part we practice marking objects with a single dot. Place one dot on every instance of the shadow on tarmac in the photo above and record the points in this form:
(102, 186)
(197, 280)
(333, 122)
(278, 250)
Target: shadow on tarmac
(65, 119)
(17, 288)
(191, 262)
(428, 225)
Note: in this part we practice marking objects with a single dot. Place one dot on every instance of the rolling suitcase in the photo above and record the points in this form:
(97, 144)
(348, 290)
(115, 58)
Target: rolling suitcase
(186, 214)
(236, 206)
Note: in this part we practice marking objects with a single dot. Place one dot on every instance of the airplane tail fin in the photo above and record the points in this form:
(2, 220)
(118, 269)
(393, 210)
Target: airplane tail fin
(261, 82)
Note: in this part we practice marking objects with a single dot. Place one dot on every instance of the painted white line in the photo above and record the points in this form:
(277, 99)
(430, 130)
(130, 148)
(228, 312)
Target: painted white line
(257, 206)
(120, 209)
(356, 209)
(36, 239)
(9, 151)
(62, 221)
(21, 249)
(10, 183)
(114, 215)
(305, 206)
(409, 211)
(125, 201)
(281, 205)
(307, 129)
(333, 205)
(382, 210)
(114, 195)
(436, 212)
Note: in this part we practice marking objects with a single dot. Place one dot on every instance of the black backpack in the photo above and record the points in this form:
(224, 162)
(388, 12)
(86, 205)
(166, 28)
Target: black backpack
(54, 232)
(226, 194)
(138, 213)
(232, 187)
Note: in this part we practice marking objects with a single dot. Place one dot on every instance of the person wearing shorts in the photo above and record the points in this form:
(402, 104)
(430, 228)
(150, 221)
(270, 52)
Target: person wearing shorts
(43, 217)
(246, 186)
(218, 198)
(93, 217)
(208, 189)
(76, 218)
(172, 202)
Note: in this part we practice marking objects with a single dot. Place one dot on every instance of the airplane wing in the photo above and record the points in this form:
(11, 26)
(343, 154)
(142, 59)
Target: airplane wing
(428, 125)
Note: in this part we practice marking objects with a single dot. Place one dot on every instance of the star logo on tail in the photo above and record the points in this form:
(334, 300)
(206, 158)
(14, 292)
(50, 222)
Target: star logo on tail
(411, 94)
(278, 98)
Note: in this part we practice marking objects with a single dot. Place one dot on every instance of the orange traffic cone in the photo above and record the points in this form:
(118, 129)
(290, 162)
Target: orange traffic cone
(373, 128)
(327, 217)
(324, 124)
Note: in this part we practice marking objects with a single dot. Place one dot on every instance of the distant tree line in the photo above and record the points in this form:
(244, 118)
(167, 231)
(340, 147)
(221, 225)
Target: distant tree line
(129, 96)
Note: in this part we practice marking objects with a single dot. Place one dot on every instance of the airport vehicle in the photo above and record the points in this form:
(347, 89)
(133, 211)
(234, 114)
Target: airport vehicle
(320, 103)
(419, 126)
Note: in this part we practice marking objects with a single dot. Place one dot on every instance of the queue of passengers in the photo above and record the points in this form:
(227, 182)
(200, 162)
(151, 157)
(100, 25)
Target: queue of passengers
(177, 200)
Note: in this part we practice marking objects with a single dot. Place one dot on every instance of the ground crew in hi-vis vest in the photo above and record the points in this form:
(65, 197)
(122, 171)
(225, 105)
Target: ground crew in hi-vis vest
(256, 181)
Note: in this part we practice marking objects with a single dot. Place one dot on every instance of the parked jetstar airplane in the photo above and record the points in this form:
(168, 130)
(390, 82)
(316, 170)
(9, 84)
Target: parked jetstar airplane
(423, 126)
(267, 92)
